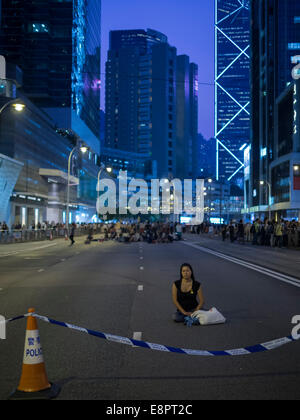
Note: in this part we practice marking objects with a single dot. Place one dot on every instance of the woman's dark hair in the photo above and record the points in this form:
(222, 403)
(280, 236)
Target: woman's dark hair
(190, 267)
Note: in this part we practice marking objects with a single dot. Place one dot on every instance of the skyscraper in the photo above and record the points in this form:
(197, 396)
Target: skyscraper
(275, 144)
(140, 72)
(187, 117)
(163, 109)
(232, 87)
(57, 46)
(146, 89)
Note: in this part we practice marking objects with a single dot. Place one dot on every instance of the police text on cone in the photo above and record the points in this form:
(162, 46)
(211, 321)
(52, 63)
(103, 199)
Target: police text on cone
(34, 376)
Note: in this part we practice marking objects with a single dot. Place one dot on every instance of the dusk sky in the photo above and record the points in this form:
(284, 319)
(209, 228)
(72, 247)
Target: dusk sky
(189, 26)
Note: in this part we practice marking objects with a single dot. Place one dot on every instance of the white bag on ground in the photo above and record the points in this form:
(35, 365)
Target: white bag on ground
(211, 317)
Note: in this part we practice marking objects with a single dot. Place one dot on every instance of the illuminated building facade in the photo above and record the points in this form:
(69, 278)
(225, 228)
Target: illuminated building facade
(232, 87)
(34, 170)
(57, 46)
(275, 141)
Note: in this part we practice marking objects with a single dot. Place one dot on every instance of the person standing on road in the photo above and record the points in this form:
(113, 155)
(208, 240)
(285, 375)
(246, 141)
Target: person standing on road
(72, 234)
(278, 234)
(187, 294)
(224, 232)
(4, 227)
(256, 232)
(231, 232)
(285, 234)
(241, 232)
(293, 234)
(178, 229)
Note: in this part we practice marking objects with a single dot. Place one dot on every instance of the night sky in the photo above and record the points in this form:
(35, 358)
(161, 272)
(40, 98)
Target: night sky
(189, 26)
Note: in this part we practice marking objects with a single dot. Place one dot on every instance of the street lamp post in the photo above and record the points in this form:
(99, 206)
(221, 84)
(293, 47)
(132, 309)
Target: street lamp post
(83, 149)
(269, 196)
(102, 168)
(210, 181)
(221, 202)
(17, 105)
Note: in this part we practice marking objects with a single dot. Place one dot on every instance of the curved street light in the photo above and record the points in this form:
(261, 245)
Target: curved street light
(109, 171)
(83, 150)
(269, 199)
(17, 105)
(208, 193)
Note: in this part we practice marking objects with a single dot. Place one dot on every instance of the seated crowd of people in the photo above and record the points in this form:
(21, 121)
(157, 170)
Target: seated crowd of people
(146, 232)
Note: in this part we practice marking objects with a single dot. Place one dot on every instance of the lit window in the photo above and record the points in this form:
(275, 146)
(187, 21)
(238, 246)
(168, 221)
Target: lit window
(263, 152)
(38, 28)
(294, 45)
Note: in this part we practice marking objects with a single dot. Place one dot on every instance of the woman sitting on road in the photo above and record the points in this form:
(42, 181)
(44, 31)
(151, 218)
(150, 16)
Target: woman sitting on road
(187, 294)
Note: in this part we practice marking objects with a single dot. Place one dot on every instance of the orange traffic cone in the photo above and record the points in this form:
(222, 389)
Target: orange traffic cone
(34, 383)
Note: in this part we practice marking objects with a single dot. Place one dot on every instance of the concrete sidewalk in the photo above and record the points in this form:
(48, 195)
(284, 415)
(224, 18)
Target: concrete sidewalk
(286, 261)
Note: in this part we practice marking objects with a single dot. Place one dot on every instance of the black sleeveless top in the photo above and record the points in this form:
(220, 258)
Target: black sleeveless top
(188, 300)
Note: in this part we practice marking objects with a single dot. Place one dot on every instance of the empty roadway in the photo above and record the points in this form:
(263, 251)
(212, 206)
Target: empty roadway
(109, 288)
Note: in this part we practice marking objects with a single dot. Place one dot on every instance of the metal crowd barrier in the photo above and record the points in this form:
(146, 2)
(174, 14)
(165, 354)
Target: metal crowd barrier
(27, 235)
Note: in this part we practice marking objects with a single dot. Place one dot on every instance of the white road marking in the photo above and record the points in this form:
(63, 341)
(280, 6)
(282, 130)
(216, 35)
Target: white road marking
(142, 268)
(137, 336)
(279, 276)
(41, 270)
(140, 288)
(8, 254)
(29, 258)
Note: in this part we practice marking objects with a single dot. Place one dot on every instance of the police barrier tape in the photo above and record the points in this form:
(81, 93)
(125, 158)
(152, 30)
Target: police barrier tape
(259, 348)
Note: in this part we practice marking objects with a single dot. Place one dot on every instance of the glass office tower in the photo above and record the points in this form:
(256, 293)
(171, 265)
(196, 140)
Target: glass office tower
(275, 146)
(152, 101)
(141, 96)
(187, 118)
(57, 46)
(86, 80)
(232, 87)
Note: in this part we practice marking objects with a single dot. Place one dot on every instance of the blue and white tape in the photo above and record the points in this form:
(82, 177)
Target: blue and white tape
(16, 318)
(259, 348)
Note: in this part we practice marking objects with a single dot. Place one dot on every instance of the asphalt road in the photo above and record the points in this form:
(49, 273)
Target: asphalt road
(125, 289)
